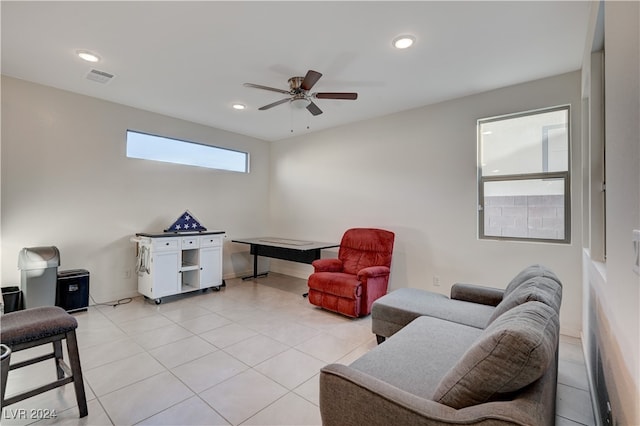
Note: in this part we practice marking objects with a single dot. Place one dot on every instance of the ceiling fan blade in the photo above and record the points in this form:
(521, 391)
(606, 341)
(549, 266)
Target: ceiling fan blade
(281, 101)
(310, 79)
(336, 95)
(313, 108)
(273, 89)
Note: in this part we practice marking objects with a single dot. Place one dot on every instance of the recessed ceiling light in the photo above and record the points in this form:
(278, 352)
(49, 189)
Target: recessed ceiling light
(238, 106)
(403, 41)
(88, 56)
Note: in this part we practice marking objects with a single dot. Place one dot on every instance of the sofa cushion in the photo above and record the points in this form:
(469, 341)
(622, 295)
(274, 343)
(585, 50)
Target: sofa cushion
(417, 357)
(398, 308)
(512, 352)
(541, 289)
(526, 274)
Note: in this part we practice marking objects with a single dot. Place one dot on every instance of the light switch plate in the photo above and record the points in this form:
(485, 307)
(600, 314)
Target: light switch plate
(636, 251)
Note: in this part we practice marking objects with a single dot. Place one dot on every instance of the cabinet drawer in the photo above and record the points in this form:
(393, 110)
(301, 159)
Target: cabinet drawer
(165, 244)
(190, 243)
(211, 241)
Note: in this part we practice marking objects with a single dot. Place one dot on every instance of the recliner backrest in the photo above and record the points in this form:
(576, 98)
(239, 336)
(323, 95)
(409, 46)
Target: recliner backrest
(364, 247)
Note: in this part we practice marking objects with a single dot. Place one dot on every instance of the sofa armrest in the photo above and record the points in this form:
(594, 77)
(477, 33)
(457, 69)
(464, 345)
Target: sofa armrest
(347, 393)
(477, 294)
(373, 271)
(351, 397)
(327, 265)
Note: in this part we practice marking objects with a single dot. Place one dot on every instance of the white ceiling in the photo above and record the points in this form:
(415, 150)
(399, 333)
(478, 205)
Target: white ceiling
(190, 59)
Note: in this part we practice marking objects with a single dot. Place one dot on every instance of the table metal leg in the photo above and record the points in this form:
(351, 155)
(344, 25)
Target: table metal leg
(254, 249)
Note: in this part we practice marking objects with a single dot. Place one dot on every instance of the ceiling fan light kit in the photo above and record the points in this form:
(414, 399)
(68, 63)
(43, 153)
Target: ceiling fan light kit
(300, 97)
(300, 102)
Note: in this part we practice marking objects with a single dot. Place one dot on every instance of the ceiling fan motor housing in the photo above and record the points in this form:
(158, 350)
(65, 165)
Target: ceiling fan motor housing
(295, 83)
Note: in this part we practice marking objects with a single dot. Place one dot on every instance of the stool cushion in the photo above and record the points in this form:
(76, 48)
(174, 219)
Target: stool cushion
(35, 324)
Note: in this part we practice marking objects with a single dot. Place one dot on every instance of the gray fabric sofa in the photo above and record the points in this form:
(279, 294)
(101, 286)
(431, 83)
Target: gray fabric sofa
(484, 356)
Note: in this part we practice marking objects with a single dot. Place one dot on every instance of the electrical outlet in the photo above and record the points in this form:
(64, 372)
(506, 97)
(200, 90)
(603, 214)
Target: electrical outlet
(636, 251)
(126, 274)
(436, 281)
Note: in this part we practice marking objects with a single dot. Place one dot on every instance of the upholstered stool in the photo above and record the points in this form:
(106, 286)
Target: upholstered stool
(38, 326)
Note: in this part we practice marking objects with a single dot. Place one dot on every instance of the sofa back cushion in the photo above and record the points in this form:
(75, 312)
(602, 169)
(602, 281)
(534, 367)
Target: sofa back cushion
(541, 289)
(528, 273)
(513, 352)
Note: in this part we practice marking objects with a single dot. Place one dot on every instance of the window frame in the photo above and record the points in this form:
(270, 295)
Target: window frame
(212, 147)
(562, 175)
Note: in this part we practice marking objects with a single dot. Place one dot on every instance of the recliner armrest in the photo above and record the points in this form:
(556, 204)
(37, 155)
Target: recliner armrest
(327, 265)
(477, 294)
(373, 271)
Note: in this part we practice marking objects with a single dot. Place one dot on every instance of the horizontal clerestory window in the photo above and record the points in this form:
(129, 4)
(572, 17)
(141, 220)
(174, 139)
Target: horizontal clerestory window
(523, 176)
(158, 148)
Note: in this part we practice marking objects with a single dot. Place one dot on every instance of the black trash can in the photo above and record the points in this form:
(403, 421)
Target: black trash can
(72, 293)
(12, 299)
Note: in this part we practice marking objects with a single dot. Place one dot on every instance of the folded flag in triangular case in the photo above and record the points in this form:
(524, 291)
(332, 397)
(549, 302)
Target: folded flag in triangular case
(186, 223)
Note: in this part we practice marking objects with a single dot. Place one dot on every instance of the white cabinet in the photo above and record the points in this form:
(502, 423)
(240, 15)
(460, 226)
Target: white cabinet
(169, 264)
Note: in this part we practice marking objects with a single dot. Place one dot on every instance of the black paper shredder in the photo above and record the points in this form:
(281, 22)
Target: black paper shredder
(72, 293)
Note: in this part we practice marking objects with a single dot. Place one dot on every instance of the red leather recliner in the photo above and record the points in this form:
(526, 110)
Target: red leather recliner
(351, 283)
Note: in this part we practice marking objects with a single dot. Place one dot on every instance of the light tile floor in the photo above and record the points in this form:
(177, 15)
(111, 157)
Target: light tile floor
(248, 354)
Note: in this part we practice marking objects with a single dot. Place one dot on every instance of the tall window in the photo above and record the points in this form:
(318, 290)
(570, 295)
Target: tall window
(523, 176)
(158, 148)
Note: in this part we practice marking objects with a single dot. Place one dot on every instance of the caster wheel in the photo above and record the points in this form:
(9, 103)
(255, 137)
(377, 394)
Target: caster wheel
(158, 301)
(224, 284)
(215, 288)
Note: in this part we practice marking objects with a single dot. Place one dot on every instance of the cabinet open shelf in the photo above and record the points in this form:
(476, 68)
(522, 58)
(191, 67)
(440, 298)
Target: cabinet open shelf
(189, 266)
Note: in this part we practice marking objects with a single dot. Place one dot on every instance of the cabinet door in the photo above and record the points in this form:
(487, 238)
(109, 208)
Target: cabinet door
(165, 273)
(210, 267)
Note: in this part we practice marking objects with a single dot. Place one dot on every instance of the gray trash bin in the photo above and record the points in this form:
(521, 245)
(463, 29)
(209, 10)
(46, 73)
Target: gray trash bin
(39, 275)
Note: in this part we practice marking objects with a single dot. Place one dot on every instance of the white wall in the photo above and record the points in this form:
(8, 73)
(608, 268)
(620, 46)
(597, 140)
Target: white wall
(415, 173)
(622, 80)
(613, 287)
(66, 182)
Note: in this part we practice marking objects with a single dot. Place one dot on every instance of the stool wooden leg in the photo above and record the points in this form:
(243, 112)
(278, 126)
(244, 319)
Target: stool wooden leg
(57, 353)
(78, 382)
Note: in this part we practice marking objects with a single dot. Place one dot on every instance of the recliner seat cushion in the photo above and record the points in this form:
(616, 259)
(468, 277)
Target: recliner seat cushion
(512, 352)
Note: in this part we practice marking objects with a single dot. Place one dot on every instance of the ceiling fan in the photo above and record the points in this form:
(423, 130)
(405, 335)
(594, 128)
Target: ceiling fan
(299, 95)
